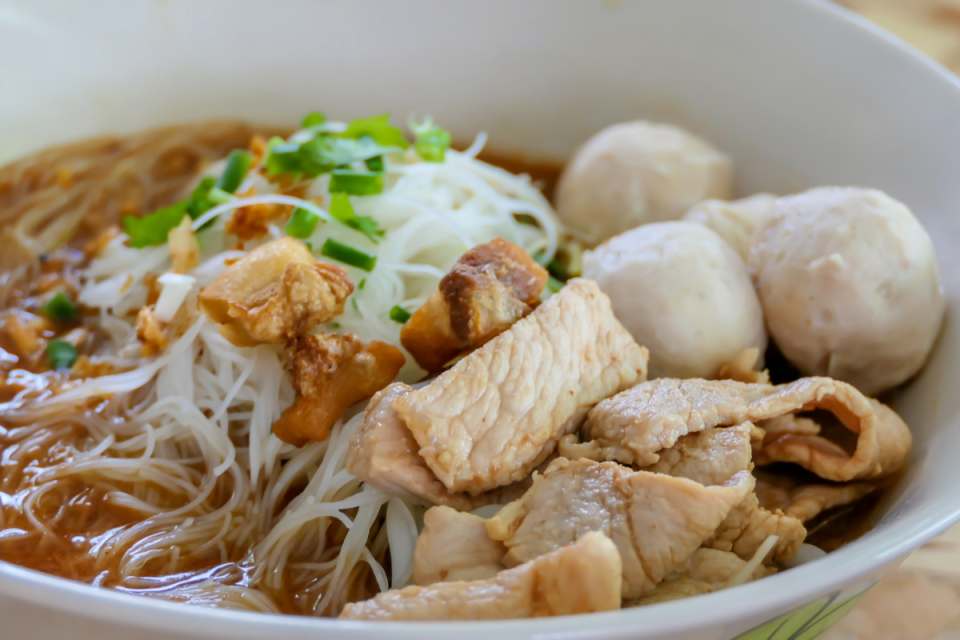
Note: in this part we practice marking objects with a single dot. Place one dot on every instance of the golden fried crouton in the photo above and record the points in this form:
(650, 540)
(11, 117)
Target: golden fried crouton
(489, 288)
(184, 250)
(331, 373)
(253, 221)
(150, 332)
(275, 293)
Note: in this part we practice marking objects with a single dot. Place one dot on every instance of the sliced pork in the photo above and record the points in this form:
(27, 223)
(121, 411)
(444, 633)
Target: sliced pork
(580, 578)
(749, 525)
(499, 412)
(656, 521)
(455, 546)
(705, 571)
(634, 426)
(383, 452)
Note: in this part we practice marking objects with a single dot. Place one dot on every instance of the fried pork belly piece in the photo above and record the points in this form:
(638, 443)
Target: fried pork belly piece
(454, 546)
(276, 292)
(499, 412)
(384, 453)
(583, 577)
(331, 373)
(707, 570)
(151, 332)
(749, 525)
(633, 426)
(254, 220)
(489, 288)
(656, 521)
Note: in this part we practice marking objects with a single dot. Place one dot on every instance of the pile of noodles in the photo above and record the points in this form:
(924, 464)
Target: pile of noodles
(222, 512)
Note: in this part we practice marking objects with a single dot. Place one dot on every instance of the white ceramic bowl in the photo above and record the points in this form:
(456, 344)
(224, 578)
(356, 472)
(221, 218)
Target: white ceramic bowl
(799, 92)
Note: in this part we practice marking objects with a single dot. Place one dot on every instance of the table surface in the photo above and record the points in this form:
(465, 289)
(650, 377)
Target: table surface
(921, 601)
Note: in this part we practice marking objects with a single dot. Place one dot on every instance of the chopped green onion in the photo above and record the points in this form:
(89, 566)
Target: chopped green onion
(378, 128)
(362, 284)
(59, 307)
(375, 163)
(356, 183)
(205, 197)
(319, 155)
(314, 119)
(553, 284)
(309, 246)
(399, 314)
(348, 255)
(342, 211)
(432, 144)
(302, 223)
(61, 354)
(238, 164)
(152, 229)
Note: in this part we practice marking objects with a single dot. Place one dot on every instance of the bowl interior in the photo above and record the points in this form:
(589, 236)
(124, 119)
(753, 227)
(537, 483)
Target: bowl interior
(799, 93)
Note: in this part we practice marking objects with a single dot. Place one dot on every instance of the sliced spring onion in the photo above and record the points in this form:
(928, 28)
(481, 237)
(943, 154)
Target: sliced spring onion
(153, 229)
(342, 211)
(302, 223)
(319, 154)
(362, 284)
(238, 164)
(313, 119)
(553, 284)
(378, 128)
(348, 255)
(356, 183)
(399, 314)
(375, 163)
(205, 197)
(59, 307)
(62, 354)
(432, 144)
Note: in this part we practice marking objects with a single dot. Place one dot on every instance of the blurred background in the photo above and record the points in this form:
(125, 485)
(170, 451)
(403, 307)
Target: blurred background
(922, 599)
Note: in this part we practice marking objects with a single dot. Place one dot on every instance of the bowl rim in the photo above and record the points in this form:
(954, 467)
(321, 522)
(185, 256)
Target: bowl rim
(777, 593)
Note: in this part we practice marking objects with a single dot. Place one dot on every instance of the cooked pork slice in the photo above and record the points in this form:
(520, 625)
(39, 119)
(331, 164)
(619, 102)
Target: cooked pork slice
(489, 288)
(383, 452)
(583, 577)
(806, 502)
(331, 373)
(633, 426)
(499, 412)
(454, 546)
(656, 521)
(705, 571)
(711, 456)
(748, 525)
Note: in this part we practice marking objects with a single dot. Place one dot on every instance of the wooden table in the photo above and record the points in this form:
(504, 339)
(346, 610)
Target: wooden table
(922, 599)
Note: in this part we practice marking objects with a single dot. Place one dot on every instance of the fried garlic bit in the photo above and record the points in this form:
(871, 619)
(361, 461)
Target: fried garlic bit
(489, 288)
(275, 293)
(331, 373)
(184, 249)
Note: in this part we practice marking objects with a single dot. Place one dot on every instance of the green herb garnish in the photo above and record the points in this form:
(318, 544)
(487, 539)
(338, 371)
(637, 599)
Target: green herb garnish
(362, 284)
(205, 197)
(399, 314)
(378, 128)
(348, 255)
(342, 211)
(356, 183)
(302, 223)
(62, 354)
(59, 307)
(319, 155)
(154, 228)
(313, 120)
(238, 164)
(375, 163)
(553, 284)
(432, 144)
